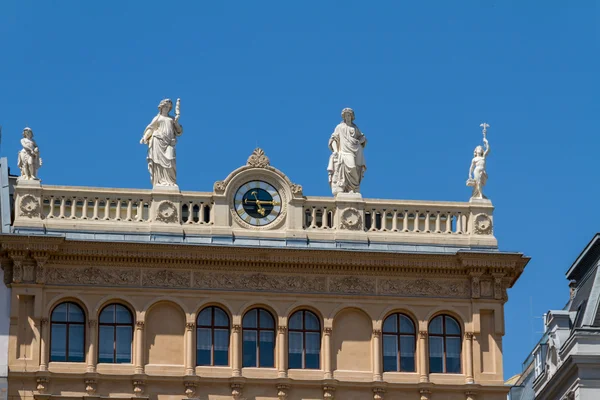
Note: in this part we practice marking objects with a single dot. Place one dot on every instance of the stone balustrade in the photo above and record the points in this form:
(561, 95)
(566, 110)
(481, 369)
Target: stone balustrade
(343, 218)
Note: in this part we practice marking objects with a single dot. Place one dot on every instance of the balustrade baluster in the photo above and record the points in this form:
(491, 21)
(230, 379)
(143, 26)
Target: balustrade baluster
(427, 216)
(63, 203)
(459, 223)
(373, 220)
(395, 221)
(416, 222)
(383, 220)
(96, 205)
(73, 208)
(438, 220)
(118, 210)
(313, 218)
(51, 210)
(405, 221)
(129, 209)
(212, 213)
(139, 210)
(325, 219)
(449, 222)
(201, 219)
(84, 208)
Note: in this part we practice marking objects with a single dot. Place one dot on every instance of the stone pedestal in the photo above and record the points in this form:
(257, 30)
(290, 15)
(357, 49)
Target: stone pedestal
(350, 217)
(165, 210)
(28, 202)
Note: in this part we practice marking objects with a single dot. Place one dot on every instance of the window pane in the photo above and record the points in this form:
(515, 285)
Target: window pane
(453, 355)
(436, 354)
(391, 325)
(75, 313)
(250, 319)
(452, 327)
(249, 349)
(221, 349)
(58, 345)
(435, 326)
(266, 320)
(267, 349)
(311, 322)
(390, 353)
(123, 315)
(296, 320)
(313, 350)
(76, 339)
(123, 345)
(107, 316)
(221, 318)
(204, 319)
(295, 347)
(407, 353)
(406, 325)
(60, 313)
(203, 346)
(106, 344)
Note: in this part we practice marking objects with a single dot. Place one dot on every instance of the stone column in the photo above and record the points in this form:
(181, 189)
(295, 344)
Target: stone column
(423, 365)
(327, 353)
(91, 355)
(377, 366)
(139, 347)
(469, 366)
(44, 330)
(282, 367)
(236, 357)
(189, 348)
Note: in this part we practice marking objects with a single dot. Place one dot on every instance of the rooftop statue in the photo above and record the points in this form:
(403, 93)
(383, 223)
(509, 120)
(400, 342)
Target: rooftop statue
(161, 137)
(477, 173)
(29, 160)
(346, 166)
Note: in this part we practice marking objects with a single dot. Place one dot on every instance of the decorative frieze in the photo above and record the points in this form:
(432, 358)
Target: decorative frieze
(259, 281)
(425, 287)
(93, 276)
(352, 285)
(165, 278)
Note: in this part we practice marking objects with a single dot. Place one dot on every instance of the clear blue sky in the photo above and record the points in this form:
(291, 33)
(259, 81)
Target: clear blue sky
(87, 77)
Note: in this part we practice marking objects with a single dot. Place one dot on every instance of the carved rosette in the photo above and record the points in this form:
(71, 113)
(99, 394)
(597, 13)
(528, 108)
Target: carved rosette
(482, 225)
(351, 219)
(258, 159)
(167, 212)
(30, 206)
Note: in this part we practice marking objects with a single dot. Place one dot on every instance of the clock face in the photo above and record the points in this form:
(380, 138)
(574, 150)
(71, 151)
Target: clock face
(257, 203)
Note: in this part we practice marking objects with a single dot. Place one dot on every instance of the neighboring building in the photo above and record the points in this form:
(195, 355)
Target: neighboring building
(253, 291)
(565, 364)
(6, 188)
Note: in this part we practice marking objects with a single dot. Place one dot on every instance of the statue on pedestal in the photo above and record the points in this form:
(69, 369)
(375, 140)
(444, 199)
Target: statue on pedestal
(477, 173)
(161, 138)
(29, 160)
(346, 166)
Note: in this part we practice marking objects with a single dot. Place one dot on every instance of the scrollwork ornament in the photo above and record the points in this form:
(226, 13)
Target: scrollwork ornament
(167, 212)
(29, 206)
(258, 159)
(351, 219)
(219, 187)
(296, 189)
(482, 225)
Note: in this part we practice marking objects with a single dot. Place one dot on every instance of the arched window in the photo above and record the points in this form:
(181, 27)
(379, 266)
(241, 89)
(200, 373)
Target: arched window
(304, 341)
(67, 333)
(115, 340)
(399, 339)
(444, 345)
(212, 341)
(258, 330)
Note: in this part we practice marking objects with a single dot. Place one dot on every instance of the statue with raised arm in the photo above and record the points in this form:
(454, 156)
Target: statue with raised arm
(161, 137)
(346, 166)
(477, 173)
(29, 160)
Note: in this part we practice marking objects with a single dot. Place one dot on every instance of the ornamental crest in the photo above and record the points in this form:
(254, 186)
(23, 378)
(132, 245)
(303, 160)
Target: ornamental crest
(258, 159)
(482, 225)
(30, 206)
(166, 212)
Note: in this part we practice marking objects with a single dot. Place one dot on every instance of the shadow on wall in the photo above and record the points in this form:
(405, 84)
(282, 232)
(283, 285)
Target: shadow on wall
(165, 329)
(352, 330)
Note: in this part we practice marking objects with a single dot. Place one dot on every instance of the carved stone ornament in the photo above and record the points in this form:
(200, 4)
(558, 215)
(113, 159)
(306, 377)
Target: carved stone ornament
(29, 206)
(165, 278)
(190, 388)
(259, 281)
(425, 394)
(236, 391)
(482, 225)
(425, 287)
(328, 392)
(138, 387)
(282, 391)
(378, 393)
(93, 276)
(258, 159)
(351, 219)
(352, 285)
(90, 386)
(219, 187)
(167, 212)
(296, 189)
(42, 384)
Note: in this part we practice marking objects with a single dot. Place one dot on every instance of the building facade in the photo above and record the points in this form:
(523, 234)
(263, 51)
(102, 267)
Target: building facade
(565, 364)
(164, 294)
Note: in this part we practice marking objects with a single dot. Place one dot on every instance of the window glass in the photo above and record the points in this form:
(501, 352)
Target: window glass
(436, 325)
(407, 353)
(436, 354)
(453, 354)
(250, 319)
(123, 315)
(76, 347)
(250, 346)
(296, 321)
(107, 316)
(106, 344)
(75, 313)
(452, 327)
(58, 347)
(60, 313)
(221, 356)
(313, 349)
(123, 346)
(221, 318)
(203, 346)
(390, 353)
(267, 349)
(266, 320)
(406, 325)
(296, 345)
(205, 317)
(311, 321)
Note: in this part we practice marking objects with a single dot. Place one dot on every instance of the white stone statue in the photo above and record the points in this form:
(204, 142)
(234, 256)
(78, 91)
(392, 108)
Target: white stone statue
(346, 166)
(477, 173)
(161, 137)
(29, 160)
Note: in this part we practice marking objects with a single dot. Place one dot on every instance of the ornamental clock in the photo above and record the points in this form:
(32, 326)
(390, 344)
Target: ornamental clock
(257, 203)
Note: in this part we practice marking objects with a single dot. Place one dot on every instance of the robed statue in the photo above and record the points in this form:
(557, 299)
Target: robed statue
(346, 166)
(29, 160)
(161, 137)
